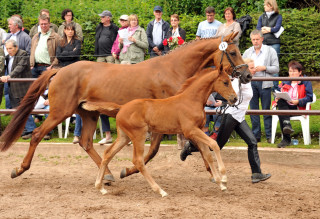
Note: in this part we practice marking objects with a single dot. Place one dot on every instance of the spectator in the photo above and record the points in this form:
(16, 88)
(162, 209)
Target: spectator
(270, 23)
(37, 28)
(23, 29)
(43, 103)
(3, 35)
(67, 16)
(234, 120)
(115, 50)
(266, 64)
(134, 52)
(18, 66)
(69, 48)
(43, 48)
(230, 26)
(300, 92)
(68, 52)
(2, 71)
(106, 33)
(156, 31)
(175, 30)
(209, 27)
(16, 33)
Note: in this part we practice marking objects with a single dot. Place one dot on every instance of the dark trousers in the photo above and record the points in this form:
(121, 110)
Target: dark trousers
(283, 105)
(265, 95)
(37, 70)
(228, 124)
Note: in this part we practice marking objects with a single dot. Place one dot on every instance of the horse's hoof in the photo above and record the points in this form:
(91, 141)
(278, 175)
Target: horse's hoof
(14, 173)
(223, 187)
(103, 191)
(123, 173)
(109, 178)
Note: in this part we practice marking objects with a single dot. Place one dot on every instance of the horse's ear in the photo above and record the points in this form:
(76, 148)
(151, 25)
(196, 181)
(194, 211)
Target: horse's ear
(230, 37)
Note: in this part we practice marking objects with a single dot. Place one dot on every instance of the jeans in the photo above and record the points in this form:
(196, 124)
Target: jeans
(215, 118)
(265, 95)
(6, 94)
(105, 123)
(37, 70)
(276, 83)
(30, 125)
(78, 127)
(229, 124)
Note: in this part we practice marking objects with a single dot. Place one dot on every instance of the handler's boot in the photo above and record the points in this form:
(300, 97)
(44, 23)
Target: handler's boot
(187, 149)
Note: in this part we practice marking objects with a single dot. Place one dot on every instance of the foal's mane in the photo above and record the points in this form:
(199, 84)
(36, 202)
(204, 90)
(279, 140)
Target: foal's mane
(190, 81)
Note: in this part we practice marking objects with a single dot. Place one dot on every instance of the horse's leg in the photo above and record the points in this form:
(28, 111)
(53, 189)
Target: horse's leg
(203, 141)
(138, 161)
(153, 150)
(50, 123)
(109, 153)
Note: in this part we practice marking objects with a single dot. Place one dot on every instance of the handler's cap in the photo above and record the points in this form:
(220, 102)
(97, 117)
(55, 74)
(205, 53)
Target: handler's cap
(157, 8)
(105, 13)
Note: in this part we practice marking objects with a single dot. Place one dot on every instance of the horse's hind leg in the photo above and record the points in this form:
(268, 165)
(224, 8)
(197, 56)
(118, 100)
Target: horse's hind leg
(109, 153)
(153, 150)
(50, 123)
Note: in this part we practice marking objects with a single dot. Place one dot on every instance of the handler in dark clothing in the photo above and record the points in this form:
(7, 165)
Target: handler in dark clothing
(18, 66)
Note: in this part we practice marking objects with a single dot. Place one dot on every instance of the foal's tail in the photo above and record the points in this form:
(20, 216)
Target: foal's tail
(20, 116)
(107, 108)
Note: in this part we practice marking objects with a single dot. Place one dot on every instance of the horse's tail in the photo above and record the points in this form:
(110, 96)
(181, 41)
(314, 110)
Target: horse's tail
(107, 108)
(20, 116)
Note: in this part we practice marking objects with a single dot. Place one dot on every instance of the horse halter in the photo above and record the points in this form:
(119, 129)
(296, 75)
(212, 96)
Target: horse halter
(235, 73)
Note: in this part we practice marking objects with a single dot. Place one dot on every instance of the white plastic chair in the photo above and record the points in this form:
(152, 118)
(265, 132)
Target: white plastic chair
(67, 123)
(304, 119)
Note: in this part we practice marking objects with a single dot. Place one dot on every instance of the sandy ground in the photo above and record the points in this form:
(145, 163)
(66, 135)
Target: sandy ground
(60, 184)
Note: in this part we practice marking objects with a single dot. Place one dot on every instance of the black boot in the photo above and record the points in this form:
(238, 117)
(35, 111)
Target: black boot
(187, 149)
(287, 129)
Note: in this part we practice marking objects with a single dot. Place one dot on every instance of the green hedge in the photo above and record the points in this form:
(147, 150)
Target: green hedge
(300, 40)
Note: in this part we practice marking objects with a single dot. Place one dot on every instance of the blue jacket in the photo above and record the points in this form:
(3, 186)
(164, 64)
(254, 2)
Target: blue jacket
(165, 29)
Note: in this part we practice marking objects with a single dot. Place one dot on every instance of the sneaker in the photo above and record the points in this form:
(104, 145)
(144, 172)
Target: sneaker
(186, 150)
(47, 137)
(76, 140)
(283, 143)
(105, 141)
(26, 136)
(257, 177)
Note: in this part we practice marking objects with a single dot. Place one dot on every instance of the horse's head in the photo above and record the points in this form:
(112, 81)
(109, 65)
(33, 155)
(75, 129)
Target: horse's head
(231, 59)
(223, 86)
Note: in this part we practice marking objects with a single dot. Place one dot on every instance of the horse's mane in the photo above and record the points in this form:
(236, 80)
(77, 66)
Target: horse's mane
(190, 81)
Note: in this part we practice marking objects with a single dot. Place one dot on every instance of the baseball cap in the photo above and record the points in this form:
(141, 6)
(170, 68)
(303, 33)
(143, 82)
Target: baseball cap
(105, 13)
(157, 8)
(124, 17)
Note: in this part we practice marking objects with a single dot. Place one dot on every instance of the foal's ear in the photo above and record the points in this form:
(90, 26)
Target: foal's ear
(230, 37)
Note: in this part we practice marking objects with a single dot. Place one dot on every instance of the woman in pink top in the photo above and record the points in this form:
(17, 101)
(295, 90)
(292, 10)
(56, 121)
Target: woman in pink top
(115, 51)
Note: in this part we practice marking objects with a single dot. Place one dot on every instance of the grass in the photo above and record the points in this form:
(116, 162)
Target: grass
(233, 141)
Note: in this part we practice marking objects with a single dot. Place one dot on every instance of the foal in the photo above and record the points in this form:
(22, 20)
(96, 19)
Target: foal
(183, 113)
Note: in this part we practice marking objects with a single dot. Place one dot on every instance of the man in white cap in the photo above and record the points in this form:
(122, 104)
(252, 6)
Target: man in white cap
(156, 31)
(106, 33)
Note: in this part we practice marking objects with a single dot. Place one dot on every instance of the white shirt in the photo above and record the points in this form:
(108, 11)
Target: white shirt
(12, 37)
(259, 60)
(157, 32)
(11, 58)
(246, 92)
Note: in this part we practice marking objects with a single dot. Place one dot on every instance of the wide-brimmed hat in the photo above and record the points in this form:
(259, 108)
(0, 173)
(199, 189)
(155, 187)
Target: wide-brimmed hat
(157, 8)
(105, 13)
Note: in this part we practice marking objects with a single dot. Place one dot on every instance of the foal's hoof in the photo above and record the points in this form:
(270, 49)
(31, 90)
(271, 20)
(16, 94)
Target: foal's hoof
(109, 178)
(123, 173)
(14, 173)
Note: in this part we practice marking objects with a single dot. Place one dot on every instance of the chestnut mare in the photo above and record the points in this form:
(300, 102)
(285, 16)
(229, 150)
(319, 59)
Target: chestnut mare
(84, 81)
(182, 113)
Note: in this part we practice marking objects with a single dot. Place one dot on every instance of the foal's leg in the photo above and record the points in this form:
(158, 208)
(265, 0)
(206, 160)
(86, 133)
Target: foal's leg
(50, 123)
(109, 153)
(153, 150)
(138, 149)
(203, 141)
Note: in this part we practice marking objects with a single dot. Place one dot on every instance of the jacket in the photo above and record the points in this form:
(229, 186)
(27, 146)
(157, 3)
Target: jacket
(305, 92)
(34, 29)
(275, 22)
(20, 69)
(69, 54)
(136, 51)
(23, 41)
(271, 62)
(165, 28)
(52, 43)
(114, 31)
(2, 59)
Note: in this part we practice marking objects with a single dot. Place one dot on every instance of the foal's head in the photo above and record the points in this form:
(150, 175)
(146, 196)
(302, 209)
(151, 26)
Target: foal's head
(231, 60)
(223, 86)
